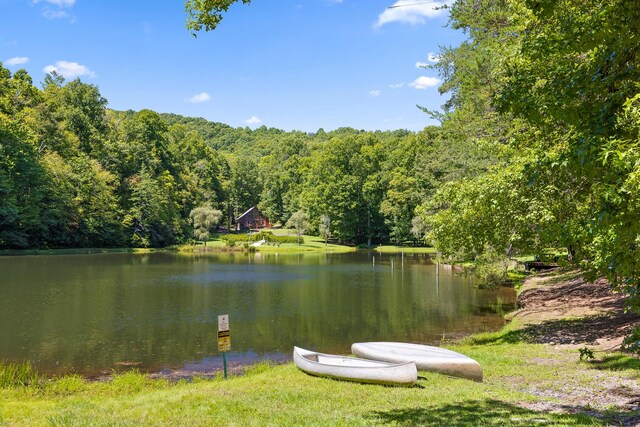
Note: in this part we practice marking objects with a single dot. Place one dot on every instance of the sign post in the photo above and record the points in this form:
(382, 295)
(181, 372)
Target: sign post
(224, 339)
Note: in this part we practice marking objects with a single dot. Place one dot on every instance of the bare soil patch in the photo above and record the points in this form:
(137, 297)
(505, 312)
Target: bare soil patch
(564, 308)
(565, 311)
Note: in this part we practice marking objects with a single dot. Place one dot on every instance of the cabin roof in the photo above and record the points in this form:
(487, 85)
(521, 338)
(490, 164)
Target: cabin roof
(247, 212)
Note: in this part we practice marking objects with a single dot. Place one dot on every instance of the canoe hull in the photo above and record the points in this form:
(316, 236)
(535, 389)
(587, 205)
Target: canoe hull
(354, 369)
(426, 358)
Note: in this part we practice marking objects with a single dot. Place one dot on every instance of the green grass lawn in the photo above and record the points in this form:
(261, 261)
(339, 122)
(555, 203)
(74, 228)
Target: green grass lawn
(389, 249)
(213, 243)
(283, 395)
(74, 251)
(311, 244)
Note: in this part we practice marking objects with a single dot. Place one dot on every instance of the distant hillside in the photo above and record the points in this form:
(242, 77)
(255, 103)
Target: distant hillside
(259, 142)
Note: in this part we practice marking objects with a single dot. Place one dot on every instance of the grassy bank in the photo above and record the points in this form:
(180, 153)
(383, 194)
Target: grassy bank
(309, 244)
(390, 249)
(76, 251)
(515, 392)
(526, 383)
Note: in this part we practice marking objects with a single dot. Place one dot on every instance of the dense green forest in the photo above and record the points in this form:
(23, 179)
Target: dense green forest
(75, 174)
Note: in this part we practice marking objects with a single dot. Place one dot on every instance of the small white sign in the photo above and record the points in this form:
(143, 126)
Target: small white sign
(223, 322)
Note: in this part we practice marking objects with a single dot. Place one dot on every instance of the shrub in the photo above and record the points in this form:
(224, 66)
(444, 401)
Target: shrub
(233, 239)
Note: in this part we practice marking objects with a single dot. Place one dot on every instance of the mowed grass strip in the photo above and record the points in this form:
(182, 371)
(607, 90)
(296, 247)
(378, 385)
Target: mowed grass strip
(283, 395)
(311, 244)
(390, 249)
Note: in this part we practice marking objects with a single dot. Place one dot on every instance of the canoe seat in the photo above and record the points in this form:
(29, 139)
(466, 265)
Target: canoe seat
(311, 357)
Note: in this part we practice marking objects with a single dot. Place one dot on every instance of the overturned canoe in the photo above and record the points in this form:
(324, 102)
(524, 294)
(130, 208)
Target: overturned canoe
(353, 369)
(426, 358)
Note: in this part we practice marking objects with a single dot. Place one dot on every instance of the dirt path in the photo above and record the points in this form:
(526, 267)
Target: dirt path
(563, 308)
(566, 312)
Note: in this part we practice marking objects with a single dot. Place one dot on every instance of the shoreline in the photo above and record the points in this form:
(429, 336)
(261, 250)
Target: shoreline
(539, 312)
(315, 245)
(605, 324)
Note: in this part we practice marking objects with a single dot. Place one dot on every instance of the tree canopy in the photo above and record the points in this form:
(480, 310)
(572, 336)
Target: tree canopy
(74, 173)
(206, 14)
(551, 89)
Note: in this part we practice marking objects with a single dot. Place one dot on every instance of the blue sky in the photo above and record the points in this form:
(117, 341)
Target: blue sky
(299, 64)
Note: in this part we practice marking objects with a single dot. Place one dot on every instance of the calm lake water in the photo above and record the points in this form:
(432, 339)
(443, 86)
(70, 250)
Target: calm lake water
(95, 313)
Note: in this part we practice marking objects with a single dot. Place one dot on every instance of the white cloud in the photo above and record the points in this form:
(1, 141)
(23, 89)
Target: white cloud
(200, 98)
(54, 14)
(396, 85)
(424, 82)
(56, 11)
(433, 58)
(59, 3)
(69, 70)
(253, 120)
(412, 12)
(374, 93)
(18, 60)
(62, 3)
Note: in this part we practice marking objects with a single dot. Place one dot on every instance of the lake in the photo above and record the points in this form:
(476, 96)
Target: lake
(96, 313)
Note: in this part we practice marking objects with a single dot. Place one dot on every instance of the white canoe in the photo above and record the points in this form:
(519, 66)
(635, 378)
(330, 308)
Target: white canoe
(427, 358)
(353, 369)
